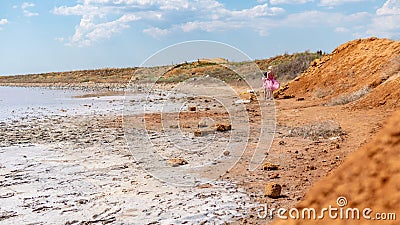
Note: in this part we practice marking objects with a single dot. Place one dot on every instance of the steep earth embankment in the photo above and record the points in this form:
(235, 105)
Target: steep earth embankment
(363, 72)
(369, 178)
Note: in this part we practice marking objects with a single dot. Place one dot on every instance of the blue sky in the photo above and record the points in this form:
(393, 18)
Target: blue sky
(44, 36)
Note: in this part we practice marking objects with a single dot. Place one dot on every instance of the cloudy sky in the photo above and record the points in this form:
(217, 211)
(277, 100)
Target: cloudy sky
(43, 36)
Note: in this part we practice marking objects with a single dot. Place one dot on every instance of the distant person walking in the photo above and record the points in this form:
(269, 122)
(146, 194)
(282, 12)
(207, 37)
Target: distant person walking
(270, 84)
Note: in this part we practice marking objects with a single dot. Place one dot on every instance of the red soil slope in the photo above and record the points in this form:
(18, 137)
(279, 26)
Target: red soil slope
(369, 68)
(369, 178)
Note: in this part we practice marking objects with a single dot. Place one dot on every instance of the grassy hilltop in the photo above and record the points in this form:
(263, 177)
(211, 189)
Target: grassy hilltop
(287, 67)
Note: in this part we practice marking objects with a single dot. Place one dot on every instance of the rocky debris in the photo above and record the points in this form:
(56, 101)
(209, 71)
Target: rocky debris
(253, 97)
(226, 153)
(203, 132)
(192, 108)
(223, 127)
(59, 129)
(270, 166)
(241, 101)
(197, 133)
(174, 162)
(78, 170)
(311, 167)
(273, 175)
(202, 124)
(7, 214)
(273, 190)
(205, 185)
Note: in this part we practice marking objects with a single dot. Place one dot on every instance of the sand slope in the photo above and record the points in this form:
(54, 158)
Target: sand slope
(369, 178)
(368, 68)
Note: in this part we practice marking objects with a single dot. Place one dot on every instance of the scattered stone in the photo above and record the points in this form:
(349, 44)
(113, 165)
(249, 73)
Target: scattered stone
(240, 101)
(253, 97)
(7, 214)
(203, 123)
(273, 175)
(270, 166)
(192, 108)
(226, 153)
(288, 96)
(300, 99)
(282, 142)
(273, 190)
(206, 185)
(223, 127)
(197, 133)
(311, 167)
(203, 222)
(174, 162)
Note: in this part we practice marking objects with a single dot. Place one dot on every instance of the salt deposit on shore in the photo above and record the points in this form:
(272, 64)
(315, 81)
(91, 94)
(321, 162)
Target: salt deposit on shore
(69, 169)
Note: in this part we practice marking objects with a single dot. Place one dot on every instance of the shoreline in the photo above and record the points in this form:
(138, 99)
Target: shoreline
(71, 86)
(71, 169)
(83, 139)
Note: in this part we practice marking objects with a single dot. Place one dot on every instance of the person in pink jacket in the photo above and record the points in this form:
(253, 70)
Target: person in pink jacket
(270, 84)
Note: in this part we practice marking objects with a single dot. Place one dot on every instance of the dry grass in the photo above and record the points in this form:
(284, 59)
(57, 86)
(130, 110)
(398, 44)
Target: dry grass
(288, 67)
(344, 99)
(321, 93)
(319, 130)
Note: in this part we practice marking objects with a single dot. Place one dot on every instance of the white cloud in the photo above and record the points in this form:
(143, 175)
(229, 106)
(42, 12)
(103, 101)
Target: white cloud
(25, 6)
(341, 30)
(386, 22)
(101, 19)
(156, 32)
(89, 32)
(338, 2)
(29, 14)
(277, 2)
(391, 7)
(318, 18)
(3, 21)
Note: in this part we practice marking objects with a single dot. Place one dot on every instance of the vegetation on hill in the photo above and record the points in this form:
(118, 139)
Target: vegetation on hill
(287, 66)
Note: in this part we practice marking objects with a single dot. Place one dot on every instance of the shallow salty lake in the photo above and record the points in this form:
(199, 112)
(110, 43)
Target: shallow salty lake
(24, 102)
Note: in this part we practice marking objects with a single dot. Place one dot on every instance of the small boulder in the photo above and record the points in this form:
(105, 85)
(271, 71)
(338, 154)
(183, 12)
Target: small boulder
(273, 190)
(174, 162)
(197, 133)
(223, 127)
(270, 166)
